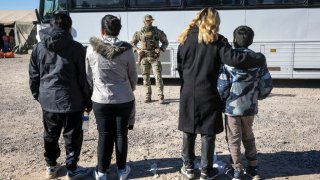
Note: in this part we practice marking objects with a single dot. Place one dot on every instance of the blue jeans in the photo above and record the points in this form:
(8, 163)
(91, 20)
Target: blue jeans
(112, 122)
(207, 149)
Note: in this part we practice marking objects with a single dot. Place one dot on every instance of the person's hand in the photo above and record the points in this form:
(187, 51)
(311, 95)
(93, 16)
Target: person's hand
(157, 50)
(139, 51)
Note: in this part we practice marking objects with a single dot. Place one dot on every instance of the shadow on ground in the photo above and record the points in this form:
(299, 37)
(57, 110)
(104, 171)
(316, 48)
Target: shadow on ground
(272, 165)
(281, 95)
(286, 163)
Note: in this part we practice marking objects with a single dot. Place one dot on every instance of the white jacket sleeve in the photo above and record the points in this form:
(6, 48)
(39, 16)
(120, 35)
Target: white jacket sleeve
(132, 71)
(88, 68)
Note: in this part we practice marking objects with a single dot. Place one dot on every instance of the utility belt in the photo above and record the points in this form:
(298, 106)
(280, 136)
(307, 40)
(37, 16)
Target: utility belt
(149, 53)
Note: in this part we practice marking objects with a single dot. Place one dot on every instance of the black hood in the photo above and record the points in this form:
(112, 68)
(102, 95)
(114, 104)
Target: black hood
(55, 39)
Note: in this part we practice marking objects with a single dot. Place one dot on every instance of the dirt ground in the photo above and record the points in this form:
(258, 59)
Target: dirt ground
(286, 130)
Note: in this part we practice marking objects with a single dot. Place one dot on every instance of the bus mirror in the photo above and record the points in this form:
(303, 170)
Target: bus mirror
(38, 16)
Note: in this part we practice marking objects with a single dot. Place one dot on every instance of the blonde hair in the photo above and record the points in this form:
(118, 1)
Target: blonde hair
(208, 21)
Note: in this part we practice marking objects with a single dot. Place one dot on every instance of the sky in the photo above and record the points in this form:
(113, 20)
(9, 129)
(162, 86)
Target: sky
(19, 4)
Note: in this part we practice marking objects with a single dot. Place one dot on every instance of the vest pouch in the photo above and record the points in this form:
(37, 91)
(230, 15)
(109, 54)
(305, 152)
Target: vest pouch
(148, 41)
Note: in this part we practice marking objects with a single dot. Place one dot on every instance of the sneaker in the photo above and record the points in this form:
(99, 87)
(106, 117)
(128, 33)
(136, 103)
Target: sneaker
(123, 173)
(188, 170)
(100, 176)
(208, 173)
(253, 172)
(235, 174)
(80, 173)
(52, 171)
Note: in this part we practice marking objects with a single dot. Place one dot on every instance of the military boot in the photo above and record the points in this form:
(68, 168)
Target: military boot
(161, 101)
(147, 100)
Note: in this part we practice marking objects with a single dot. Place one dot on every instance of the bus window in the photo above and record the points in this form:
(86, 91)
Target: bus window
(213, 2)
(201, 2)
(48, 9)
(60, 5)
(274, 2)
(84, 4)
(230, 2)
(154, 3)
(51, 6)
(314, 1)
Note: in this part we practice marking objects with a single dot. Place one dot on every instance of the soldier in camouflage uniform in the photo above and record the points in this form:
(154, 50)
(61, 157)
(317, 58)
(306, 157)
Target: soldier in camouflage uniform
(149, 37)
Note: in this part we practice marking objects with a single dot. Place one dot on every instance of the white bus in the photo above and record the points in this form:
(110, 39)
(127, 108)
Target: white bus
(286, 31)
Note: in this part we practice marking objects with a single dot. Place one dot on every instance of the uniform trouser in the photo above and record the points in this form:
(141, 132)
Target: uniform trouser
(112, 122)
(71, 123)
(239, 128)
(145, 66)
(207, 149)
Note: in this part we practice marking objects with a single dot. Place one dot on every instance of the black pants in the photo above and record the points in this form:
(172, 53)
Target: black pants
(207, 149)
(71, 123)
(112, 122)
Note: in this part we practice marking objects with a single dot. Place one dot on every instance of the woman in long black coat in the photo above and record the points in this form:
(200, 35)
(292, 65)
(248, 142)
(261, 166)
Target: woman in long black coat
(200, 54)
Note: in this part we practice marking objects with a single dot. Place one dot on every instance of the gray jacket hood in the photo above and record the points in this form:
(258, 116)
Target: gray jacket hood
(55, 39)
(107, 50)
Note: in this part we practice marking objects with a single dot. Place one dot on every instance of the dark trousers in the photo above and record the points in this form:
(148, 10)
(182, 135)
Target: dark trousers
(112, 122)
(207, 149)
(71, 123)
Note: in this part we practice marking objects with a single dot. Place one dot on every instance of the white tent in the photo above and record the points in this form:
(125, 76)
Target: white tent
(22, 21)
(8, 17)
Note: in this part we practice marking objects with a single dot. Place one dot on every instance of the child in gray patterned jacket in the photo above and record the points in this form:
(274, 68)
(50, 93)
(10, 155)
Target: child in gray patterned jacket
(240, 90)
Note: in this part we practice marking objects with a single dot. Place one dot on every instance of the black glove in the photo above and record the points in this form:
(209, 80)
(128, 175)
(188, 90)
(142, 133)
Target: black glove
(130, 127)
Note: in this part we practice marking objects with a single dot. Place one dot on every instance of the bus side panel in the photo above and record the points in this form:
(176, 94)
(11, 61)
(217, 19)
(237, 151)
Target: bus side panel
(230, 20)
(274, 25)
(306, 61)
(313, 24)
(276, 35)
(279, 58)
(88, 25)
(307, 54)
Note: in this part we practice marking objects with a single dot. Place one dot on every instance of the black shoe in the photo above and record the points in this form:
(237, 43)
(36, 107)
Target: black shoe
(188, 170)
(78, 174)
(147, 100)
(208, 173)
(161, 101)
(253, 172)
(229, 171)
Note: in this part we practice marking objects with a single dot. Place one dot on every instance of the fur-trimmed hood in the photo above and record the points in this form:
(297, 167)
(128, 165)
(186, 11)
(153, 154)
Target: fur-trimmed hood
(108, 50)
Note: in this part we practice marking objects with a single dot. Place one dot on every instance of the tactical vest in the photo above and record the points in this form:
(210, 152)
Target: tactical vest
(149, 39)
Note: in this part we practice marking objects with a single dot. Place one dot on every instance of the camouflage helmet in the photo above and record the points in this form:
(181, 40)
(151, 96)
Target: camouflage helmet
(148, 17)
